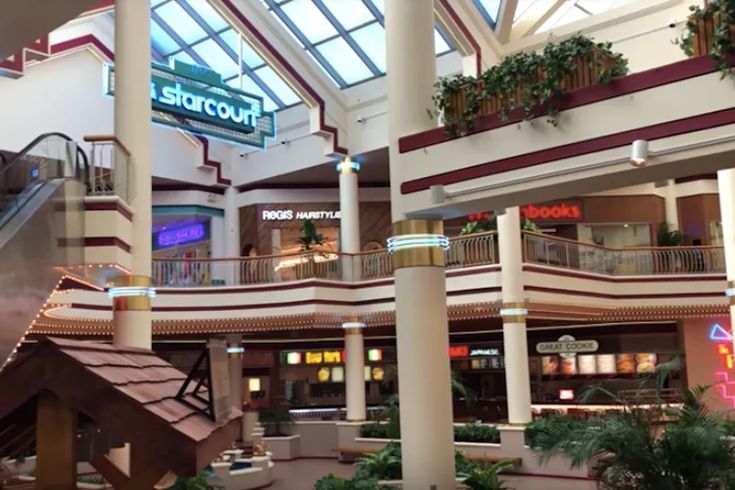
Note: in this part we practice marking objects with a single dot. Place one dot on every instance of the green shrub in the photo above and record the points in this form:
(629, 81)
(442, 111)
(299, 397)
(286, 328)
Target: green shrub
(331, 482)
(383, 465)
(546, 432)
(484, 476)
(476, 433)
(462, 465)
(374, 430)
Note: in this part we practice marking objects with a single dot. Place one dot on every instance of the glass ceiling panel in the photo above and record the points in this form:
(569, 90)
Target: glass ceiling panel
(186, 27)
(345, 61)
(528, 12)
(345, 37)
(194, 32)
(489, 10)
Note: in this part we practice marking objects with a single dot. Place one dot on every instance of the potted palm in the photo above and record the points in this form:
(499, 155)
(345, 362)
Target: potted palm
(309, 238)
(656, 447)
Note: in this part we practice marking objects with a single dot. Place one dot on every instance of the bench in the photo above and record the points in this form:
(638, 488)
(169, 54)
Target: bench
(353, 452)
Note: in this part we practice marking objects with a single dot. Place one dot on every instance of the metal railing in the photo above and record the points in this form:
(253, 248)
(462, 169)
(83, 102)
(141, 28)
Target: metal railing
(465, 251)
(111, 169)
(636, 261)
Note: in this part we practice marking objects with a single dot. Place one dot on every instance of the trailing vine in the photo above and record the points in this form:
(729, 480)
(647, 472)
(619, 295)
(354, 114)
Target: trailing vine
(531, 82)
(721, 14)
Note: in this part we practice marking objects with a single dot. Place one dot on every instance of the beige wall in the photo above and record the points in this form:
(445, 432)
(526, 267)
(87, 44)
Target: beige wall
(702, 359)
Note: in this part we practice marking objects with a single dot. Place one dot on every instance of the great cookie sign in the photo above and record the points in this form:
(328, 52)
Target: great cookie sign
(567, 346)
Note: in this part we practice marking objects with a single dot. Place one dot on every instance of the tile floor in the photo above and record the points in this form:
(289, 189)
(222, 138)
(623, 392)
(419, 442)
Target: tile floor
(303, 473)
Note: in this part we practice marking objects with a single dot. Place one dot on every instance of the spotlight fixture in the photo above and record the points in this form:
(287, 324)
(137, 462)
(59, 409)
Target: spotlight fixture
(639, 153)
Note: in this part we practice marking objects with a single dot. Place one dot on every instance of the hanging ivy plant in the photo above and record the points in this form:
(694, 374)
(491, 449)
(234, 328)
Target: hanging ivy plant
(531, 82)
(710, 30)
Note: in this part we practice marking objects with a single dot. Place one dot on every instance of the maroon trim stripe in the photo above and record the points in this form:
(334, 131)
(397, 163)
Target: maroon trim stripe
(108, 206)
(593, 294)
(636, 82)
(83, 41)
(593, 277)
(187, 187)
(466, 33)
(106, 241)
(656, 131)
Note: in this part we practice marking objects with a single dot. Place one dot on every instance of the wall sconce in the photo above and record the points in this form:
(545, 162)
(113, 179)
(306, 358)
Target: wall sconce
(639, 153)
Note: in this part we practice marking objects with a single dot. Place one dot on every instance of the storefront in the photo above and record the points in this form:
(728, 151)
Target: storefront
(316, 378)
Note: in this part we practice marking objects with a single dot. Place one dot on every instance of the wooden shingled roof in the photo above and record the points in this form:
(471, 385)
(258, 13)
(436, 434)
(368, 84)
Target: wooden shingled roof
(126, 391)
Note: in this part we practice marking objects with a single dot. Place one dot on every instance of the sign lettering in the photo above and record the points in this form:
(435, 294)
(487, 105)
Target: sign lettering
(484, 352)
(289, 214)
(563, 211)
(567, 346)
(196, 99)
(458, 351)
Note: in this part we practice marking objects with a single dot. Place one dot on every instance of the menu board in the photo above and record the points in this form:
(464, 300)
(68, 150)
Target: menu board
(645, 363)
(338, 374)
(587, 364)
(549, 365)
(568, 366)
(606, 364)
(625, 363)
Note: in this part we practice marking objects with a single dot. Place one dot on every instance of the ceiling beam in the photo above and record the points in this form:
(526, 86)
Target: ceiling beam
(541, 20)
(504, 25)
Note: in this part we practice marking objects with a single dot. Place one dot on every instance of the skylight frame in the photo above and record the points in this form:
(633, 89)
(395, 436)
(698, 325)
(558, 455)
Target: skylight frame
(276, 8)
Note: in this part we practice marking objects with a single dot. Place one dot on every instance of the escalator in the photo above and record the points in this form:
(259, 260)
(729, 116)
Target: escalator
(42, 190)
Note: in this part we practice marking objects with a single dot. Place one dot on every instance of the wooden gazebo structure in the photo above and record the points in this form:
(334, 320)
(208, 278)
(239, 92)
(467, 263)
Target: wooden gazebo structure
(75, 400)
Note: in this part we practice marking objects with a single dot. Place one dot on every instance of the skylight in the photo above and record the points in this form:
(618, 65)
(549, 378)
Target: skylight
(549, 13)
(194, 32)
(345, 37)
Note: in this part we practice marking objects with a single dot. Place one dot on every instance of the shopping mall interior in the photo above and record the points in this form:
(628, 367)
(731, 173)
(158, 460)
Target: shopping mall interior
(367, 244)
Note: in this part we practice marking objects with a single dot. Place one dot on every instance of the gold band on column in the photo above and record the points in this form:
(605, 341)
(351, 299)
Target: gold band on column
(514, 312)
(353, 331)
(347, 166)
(131, 293)
(427, 254)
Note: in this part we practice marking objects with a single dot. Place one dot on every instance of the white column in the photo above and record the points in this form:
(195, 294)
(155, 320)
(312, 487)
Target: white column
(131, 310)
(349, 225)
(726, 187)
(354, 370)
(672, 210)
(234, 356)
(232, 237)
(422, 334)
(132, 315)
(514, 313)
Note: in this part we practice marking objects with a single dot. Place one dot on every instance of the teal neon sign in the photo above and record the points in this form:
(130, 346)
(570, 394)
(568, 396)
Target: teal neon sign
(195, 99)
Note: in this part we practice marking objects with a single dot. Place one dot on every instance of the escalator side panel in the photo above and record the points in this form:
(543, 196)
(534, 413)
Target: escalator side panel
(47, 232)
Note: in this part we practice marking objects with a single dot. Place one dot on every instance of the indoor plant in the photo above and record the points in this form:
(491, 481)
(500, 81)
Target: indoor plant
(530, 82)
(632, 451)
(484, 476)
(276, 422)
(711, 30)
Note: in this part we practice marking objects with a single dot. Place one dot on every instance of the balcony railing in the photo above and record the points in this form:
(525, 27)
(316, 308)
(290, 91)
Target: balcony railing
(465, 251)
(637, 261)
(110, 161)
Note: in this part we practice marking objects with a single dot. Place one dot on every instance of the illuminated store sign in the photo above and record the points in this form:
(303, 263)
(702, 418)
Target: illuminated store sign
(458, 351)
(293, 358)
(326, 357)
(181, 235)
(484, 352)
(195, 99)
(567, 346)
(374, 355)
(563, 211)
(290, 214)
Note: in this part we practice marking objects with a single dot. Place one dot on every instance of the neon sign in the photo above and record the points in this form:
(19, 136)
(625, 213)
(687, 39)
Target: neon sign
(563, 211)
(196, 99)
(458, 351)
(723, 339)
(176, 237)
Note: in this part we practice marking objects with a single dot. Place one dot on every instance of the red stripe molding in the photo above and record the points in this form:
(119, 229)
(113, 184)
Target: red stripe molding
(594, 294)
(466, 33)
(656, 131)
(106, 241)
(594, 277)
(108, 206)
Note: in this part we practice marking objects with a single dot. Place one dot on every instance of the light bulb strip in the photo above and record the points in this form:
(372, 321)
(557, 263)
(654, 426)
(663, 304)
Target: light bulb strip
(422, 240)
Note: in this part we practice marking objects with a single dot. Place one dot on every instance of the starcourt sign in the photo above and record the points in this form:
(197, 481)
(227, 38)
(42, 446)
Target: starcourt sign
(195, 99)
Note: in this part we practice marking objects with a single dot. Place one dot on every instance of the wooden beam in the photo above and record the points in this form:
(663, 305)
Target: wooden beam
(542, 20)
(109, 471)
(144, 479)
(504, 23)
(56, 439)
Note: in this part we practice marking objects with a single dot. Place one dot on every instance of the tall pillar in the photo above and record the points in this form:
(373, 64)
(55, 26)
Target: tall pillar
(672, 210)
(354, 370)
(422, 332)
(726, 188)
(235, 352)
(349, 206)
(232, 237)
(131, 294)
(422, 339)
(514, 313)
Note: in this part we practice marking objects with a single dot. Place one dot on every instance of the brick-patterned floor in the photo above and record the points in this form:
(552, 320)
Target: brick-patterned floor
(303, 473)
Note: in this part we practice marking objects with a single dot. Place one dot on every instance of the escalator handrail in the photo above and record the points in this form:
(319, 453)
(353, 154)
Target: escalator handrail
(18, 156)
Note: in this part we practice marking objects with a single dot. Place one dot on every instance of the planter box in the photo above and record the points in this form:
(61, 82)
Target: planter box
(259, 475)
(702, 39)
(584, 76)
(284, 448)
